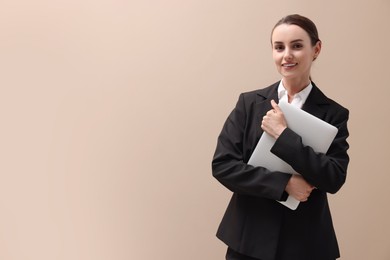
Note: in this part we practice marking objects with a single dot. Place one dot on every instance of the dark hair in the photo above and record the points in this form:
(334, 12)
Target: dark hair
(303, 22)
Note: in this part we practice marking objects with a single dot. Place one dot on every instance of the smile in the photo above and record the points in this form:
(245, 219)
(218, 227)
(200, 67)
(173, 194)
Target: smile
(289, 65)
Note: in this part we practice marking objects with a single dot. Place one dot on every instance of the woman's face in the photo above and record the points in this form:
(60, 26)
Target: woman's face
(293, 52)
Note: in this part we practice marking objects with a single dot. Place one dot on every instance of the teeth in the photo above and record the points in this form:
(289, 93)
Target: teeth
(288, 65)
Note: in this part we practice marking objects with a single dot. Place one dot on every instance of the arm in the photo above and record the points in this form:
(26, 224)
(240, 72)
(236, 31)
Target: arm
(274, 124)
(229, 166)
(326, 172)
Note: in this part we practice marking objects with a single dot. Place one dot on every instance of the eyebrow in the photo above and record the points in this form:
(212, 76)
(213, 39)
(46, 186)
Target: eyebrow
(294, 41)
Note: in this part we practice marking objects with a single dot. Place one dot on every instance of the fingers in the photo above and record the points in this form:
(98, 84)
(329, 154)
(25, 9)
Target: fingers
(273, 121)
(303, 195)
(299, 188)
(275, 106)
(276, 109)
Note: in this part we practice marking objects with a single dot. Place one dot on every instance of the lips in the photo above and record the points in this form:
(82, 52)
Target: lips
(289, 65)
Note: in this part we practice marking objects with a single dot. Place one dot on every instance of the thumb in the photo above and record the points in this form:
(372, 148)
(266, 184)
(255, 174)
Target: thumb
(275, 106)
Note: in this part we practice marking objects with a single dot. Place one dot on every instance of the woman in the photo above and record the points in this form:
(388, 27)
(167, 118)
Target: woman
(255, 226)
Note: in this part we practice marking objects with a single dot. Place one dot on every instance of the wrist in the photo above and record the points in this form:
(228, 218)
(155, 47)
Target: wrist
(278, 133)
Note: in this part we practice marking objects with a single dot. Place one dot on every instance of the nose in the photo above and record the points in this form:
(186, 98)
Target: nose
(288, 54)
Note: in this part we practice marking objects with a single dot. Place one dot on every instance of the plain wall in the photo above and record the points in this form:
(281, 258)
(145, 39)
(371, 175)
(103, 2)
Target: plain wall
(110, 111)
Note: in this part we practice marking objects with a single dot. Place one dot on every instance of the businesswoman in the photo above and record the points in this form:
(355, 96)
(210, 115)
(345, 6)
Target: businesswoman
(255, 226)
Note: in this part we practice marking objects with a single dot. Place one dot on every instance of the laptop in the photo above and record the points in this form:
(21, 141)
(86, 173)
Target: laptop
(315, 133)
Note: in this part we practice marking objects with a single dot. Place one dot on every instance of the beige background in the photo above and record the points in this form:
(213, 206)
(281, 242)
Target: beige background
(110, 110)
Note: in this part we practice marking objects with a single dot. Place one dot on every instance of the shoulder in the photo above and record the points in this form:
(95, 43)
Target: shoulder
(330, 101)
(337, 113)
(337, 106)
(334, 108)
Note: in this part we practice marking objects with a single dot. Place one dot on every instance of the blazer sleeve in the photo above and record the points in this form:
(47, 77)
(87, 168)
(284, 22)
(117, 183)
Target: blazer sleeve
(230, 167)
(327, 171)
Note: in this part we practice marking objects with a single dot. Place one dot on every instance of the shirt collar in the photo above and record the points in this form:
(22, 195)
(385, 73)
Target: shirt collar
(299, 97)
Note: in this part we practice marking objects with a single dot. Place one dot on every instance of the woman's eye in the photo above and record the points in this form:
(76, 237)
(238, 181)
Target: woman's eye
(279, 47)
(297, 46)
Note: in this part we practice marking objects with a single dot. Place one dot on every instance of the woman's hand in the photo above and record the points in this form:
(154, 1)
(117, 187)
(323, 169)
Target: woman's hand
(274, 122)
(299, 188)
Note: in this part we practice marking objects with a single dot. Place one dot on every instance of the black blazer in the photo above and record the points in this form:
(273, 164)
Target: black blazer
(254, 223)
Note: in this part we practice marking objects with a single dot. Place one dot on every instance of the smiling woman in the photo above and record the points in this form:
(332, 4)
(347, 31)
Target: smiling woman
(295, 47)
(255, 226)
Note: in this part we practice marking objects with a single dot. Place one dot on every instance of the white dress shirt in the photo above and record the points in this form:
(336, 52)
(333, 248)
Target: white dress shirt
(298, 99)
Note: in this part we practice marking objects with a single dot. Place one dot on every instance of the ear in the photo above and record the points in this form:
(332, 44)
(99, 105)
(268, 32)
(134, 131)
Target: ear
(317, 49)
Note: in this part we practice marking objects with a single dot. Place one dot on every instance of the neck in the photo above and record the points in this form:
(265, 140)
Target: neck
(294, 86)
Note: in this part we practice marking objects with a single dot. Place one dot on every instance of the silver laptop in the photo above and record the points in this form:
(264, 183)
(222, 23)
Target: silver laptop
(315, 133)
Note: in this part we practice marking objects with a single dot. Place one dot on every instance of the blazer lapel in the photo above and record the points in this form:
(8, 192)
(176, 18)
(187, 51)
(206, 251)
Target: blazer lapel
(264, 96)
(263, 104)
(316, 103)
